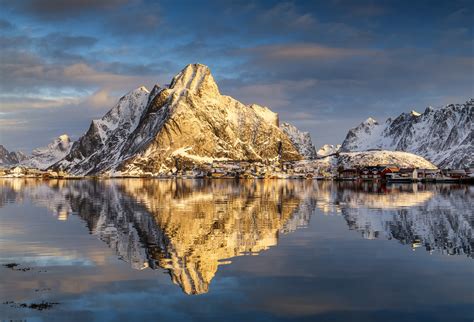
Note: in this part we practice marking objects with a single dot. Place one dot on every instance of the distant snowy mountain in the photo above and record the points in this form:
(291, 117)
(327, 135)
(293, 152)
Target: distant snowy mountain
(301, 140)
(10, 158)
(328, 149)
(44, 157)
(445, 136)
(188, 122)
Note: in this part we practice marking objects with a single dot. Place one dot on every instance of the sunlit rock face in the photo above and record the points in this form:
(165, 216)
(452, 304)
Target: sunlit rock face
(188, 121)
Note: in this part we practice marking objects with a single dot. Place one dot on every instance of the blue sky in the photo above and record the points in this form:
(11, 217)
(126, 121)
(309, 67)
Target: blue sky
(324, 66)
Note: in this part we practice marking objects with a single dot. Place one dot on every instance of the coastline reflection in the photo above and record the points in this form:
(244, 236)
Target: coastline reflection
(190, 227)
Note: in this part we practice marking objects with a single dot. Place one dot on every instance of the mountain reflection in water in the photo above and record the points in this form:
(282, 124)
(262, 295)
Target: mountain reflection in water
(190, 227)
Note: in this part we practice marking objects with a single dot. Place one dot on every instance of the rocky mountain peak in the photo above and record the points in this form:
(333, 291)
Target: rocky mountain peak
(182, 125)
(142, 89)
(370, 121)
(63, 142)
(195, 78)
(64, 138)
(155, 91)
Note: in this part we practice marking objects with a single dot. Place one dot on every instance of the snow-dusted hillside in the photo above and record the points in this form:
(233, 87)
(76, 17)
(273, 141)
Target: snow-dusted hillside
(42, 158)
(301, 140)
(328, 149)
(373, 158)
(348, 160)
(445, 136)
(188, 122)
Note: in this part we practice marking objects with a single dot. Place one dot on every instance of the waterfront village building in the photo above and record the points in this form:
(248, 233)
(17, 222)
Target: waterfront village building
(17, 171)
(378, 172)
(348, 174)
(383, 172)
(410, 174)
(454, 174)
(289, 169)
(372, 173)
(428, 174)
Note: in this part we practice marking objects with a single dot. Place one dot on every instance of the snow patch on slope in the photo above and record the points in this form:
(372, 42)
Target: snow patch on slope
(328, 149)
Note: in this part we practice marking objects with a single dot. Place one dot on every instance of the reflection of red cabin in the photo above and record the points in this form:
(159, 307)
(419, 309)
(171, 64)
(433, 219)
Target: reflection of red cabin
(372, 173)
(389, 169)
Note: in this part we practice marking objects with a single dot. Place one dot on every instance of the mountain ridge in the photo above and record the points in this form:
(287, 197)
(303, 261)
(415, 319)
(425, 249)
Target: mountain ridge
(8, 158)
(444, 136)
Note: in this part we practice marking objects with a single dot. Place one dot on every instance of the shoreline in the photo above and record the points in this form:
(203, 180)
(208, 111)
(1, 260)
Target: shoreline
(381, 181)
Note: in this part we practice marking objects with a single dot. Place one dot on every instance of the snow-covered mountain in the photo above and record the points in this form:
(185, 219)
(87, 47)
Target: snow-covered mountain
(43, 157)
(188, 122)
(301, 140)
(445, 136)
(103, 143)
(328, 149)
(10, 158)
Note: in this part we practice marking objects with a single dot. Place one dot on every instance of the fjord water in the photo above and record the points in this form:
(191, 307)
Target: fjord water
(224, 250)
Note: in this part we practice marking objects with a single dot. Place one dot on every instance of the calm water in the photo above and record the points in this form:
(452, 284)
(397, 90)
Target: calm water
(190, 250)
